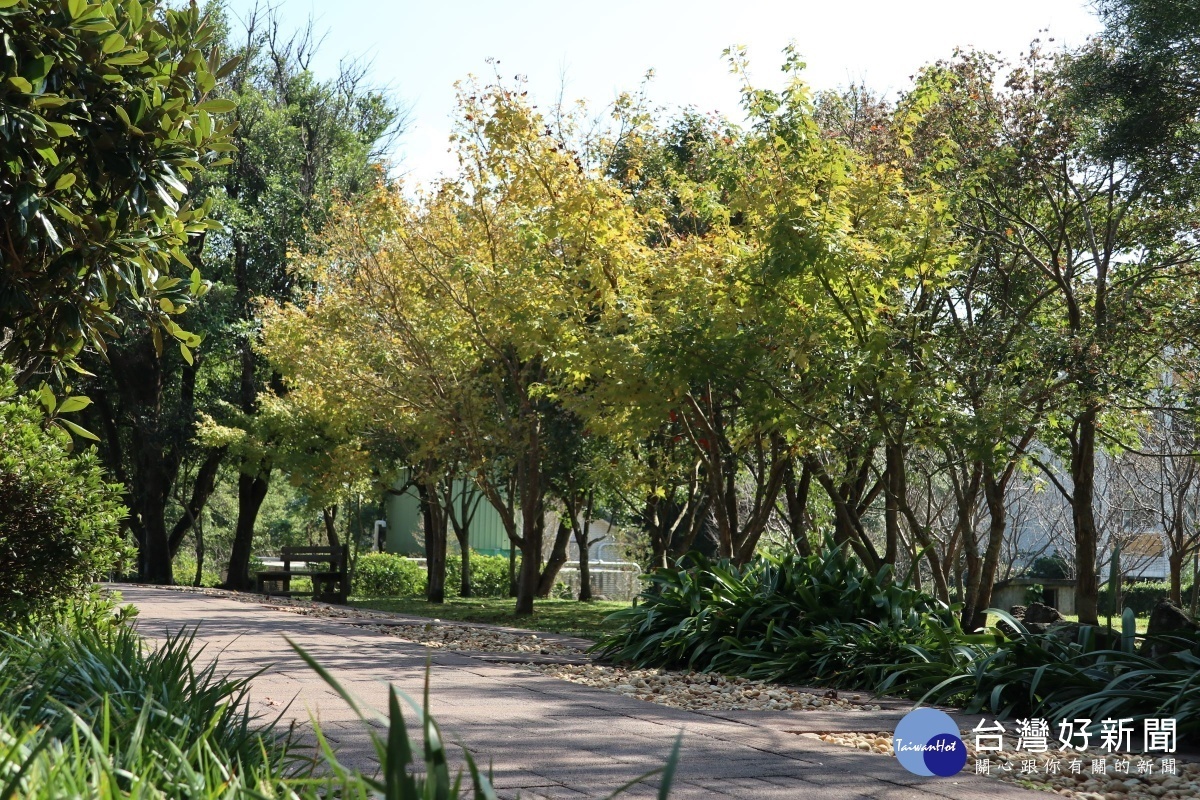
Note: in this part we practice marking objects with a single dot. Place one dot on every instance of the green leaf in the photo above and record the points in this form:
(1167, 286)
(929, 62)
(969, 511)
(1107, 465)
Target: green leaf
(60, 129)
(218, 106)
(46, 397)
(49, 227)
(75, 403)
(112, 43)
(76, 8)
(79, 430)
(128, 59)
(182, 258)
(20, 84)
(38, 68)
(8, 3)
(65, 182)
(228, 67)
(186, 353)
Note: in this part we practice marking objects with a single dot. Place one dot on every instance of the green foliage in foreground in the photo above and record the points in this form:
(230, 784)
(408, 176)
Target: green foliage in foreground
(59, 529)
(106, 120)
(590, 620)
(825, 619)
(86, 710)
(1099, 675)
(785, 617)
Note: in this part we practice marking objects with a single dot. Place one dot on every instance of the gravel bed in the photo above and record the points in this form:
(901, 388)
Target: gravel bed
(1031, 769)
(700, 691)
(477, 640)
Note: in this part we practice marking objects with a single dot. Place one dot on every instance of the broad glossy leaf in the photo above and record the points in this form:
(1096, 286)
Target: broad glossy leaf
(74, 403)
(78, 430)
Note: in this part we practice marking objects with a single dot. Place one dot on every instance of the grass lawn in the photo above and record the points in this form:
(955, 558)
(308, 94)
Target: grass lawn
(1142, 622)
(553, 616)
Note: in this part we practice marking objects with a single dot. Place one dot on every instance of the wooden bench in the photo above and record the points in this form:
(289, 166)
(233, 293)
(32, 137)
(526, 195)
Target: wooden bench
(326, 566)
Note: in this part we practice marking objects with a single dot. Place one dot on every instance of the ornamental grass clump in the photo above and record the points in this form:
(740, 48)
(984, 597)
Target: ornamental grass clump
(780, 617)
(88, 710)
(1074, 673)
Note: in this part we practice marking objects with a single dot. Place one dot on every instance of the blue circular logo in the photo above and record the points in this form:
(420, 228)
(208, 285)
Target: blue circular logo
(927, 743)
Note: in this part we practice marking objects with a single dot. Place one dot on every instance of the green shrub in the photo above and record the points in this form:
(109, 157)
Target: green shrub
(778, 617)
(1143, 596)
(489, 575)
(89, 711)
(60, 526)
(1051, 566)
(184, 568)
(387, 575)
(1098, 675)
(72, 676)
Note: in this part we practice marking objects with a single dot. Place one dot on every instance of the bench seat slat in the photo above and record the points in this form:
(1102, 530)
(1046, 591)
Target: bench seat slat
(329, 583)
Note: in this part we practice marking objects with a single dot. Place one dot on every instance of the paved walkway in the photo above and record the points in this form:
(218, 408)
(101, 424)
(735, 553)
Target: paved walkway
(544, 738)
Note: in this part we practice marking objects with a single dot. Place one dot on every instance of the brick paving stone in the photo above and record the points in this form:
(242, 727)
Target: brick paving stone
(544, 738)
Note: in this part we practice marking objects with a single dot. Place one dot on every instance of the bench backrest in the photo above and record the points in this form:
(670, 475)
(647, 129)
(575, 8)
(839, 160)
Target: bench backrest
(335, 555)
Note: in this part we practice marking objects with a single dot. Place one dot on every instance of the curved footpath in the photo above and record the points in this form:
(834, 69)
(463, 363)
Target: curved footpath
(544, 738)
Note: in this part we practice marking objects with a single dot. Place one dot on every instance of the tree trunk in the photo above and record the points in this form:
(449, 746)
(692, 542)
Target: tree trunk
(971, 583)
(198, 530)
(848, 526)
(585, 569)
(530, 574)
(463, 535)
(435, 543)
(512, 570)
(156, 555)
(581, 532)
(1175, 564)
(252, 490)
(1083, 475)
(796, 496)
(658, 530)
(993, 494)
(1195, 583)
(202, 489)
(893, 484)
(558, 557)
(155, 449)
(329, 515)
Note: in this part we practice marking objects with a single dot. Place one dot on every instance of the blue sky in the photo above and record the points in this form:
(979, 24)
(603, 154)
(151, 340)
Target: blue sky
(595, 50)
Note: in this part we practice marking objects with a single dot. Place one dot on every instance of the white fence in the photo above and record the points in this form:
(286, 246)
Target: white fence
(611, 580)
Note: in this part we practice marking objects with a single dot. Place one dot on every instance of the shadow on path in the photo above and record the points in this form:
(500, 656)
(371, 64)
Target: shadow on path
(542, 737)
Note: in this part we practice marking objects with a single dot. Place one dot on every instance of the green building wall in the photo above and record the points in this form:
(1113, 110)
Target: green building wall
(404, 522)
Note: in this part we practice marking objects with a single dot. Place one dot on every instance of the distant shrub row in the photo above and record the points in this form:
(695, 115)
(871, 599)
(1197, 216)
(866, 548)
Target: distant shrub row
(1142, 597)
(388, 575)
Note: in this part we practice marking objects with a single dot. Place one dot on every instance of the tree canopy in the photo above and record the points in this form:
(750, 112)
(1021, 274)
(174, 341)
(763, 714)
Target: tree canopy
(105, 117)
